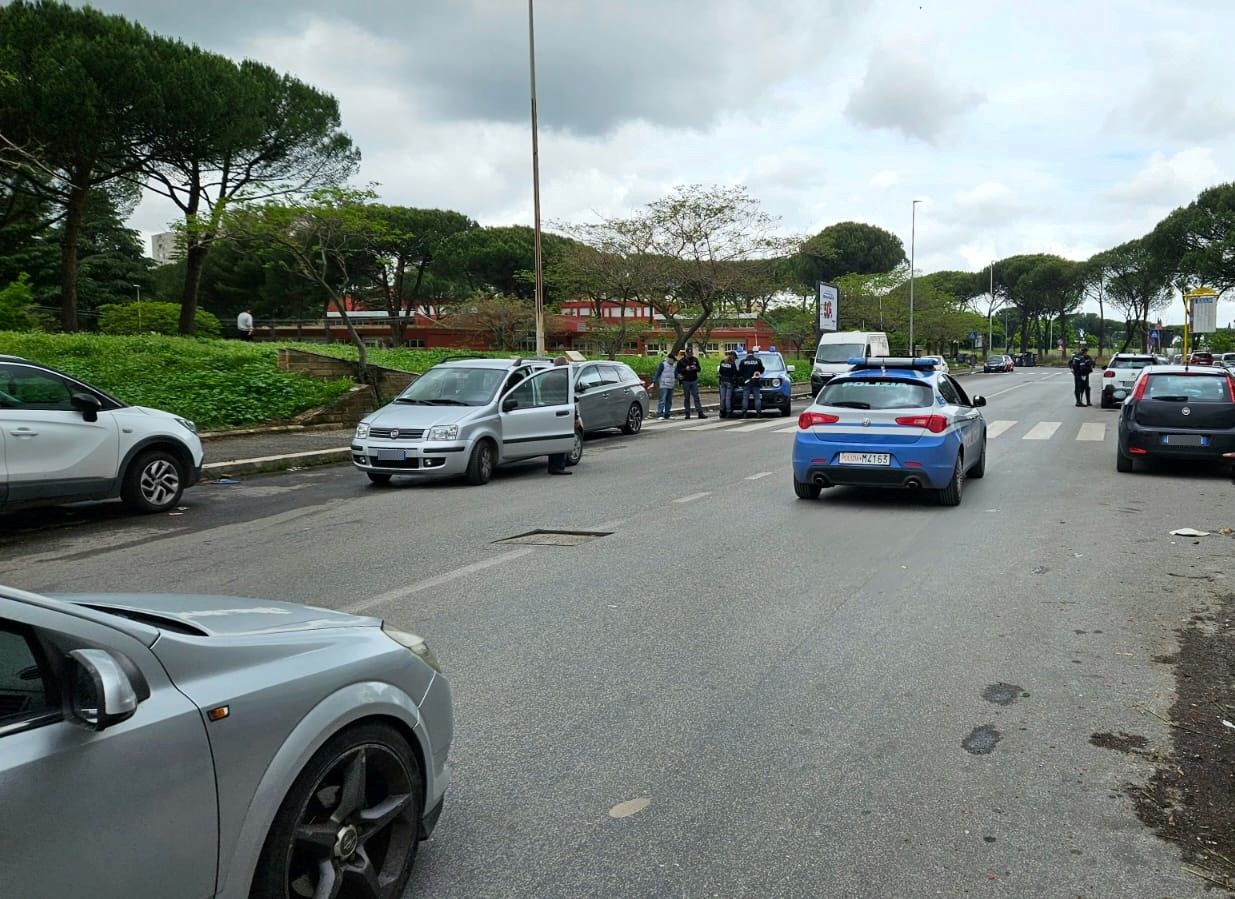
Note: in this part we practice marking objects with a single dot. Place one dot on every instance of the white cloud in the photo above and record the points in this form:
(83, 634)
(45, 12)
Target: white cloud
(1168, 181)
(885, 179)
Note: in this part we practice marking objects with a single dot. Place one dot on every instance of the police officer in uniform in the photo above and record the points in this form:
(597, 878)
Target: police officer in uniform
(1081, 364)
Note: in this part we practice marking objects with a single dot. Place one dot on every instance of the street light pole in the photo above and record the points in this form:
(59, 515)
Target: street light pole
(540, 277)
(990, 333)
(139, 306)
(913, 230)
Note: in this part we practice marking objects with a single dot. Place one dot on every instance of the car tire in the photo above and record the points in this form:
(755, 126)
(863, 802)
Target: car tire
(951, 494)
(379, 478)
(979, 469)
(1124, 462)
(308, 837)
(154, 482)
(634, 419)
(787, 410)
(806, 490)
(576, 451)
(480, 464)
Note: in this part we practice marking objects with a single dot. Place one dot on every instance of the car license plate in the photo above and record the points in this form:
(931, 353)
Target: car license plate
(391, 455)
(865, 459)
(1185, 439)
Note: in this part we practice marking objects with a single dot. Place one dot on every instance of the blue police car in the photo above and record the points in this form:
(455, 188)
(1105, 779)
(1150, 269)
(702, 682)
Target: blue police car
(891, 422)
(775, 385)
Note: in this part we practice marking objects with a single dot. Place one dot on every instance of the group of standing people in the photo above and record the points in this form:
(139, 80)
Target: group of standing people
(736, 378)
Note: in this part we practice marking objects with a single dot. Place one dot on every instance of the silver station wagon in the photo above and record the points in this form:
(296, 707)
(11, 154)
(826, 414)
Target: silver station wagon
(464, 417)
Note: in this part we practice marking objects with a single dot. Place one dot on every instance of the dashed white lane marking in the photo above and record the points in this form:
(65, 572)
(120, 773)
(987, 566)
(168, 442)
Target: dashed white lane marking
(757, 426)
(1043, 430)
(401, 592)
(788, 430)
(995, 428)
(1093, 430)
(755, 477)
(693, 497)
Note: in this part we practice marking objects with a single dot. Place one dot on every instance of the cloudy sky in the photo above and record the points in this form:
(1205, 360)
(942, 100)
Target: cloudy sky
(1023, 125)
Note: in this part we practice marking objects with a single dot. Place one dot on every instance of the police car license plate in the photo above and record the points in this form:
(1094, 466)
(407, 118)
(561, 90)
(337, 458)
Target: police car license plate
(391, 455)
(865, 459)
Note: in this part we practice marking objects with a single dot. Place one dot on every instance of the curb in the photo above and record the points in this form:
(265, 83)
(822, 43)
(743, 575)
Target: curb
(264, 464)
(267, 429)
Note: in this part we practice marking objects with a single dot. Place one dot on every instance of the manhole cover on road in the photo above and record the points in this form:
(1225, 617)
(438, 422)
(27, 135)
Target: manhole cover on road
(555, 538)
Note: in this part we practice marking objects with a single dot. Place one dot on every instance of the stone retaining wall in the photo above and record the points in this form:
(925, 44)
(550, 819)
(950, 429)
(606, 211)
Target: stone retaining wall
(384, 384)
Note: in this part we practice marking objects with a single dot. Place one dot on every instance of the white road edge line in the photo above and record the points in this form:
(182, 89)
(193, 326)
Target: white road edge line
(755, 477)
(693, 497)
(401, 592)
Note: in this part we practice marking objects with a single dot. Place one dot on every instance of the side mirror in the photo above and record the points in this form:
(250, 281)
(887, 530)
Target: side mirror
(100, 692)
(978, 401)
(509, 404)
(791, 368)
(87, 404)
(580, 388)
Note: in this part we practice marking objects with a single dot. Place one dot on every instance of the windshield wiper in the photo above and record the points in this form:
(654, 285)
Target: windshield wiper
(410, 402)
(851, 404)
(445, 403)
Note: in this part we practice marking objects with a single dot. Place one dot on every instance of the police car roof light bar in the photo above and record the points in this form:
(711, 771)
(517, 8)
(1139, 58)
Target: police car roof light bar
(885, 362)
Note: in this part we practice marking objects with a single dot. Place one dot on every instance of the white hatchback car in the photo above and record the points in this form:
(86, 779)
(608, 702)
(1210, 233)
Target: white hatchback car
(1120, 373)
(63, 441)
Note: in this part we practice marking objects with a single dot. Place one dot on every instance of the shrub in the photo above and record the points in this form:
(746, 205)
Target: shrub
(16, 301)
(152, 318)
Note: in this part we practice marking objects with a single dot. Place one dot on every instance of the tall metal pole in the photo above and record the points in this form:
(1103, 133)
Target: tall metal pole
(540, 276)
(913, 230)
(990, 333)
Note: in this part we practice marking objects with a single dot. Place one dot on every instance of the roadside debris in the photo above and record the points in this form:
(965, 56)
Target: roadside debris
(227, 482)
(1189, 532)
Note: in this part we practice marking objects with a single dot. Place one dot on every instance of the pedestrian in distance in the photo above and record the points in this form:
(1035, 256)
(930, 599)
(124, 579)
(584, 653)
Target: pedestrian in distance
(557, 461)
(749, 371)
(727, 375)
(688, 374)
(244, 324)
(1082, 365)
(666, 378)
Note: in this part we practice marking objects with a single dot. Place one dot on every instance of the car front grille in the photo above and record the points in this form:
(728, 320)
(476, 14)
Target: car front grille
(404, 433)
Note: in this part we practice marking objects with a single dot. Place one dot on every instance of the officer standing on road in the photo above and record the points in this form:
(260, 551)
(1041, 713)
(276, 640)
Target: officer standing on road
(727, 375)
(749, 370)
(688, 374)
(1081, 364)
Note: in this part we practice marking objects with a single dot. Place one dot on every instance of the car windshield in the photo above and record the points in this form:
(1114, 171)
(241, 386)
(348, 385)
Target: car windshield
(1131, 362)
(875, 393)
(450, 385)
(994, 359)
(1189, 388)
(835, 353)
(771, 362)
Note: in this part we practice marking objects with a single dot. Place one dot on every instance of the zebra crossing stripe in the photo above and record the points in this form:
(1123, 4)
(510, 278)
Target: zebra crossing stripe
(1043, 430)
(788, 430)
(757, 426)
(709, 427)
(995, 428)
(1093, 430)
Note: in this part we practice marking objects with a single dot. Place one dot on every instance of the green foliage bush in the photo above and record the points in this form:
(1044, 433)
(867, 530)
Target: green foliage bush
(16, 300)
(152, 318)
(216, 383)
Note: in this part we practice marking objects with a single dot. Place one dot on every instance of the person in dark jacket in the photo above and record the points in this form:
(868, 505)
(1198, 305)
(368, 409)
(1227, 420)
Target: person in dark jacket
(749, 371)
(1081, 364)
(688, 374)
(557, 461)
(727, 375)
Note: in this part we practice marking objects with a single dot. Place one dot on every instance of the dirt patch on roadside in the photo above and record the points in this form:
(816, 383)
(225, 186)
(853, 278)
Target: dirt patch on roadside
(1190, 800)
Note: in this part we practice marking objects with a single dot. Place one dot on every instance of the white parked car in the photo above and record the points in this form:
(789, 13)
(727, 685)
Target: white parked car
(63, 441)
(1121, 372)
(941, 364)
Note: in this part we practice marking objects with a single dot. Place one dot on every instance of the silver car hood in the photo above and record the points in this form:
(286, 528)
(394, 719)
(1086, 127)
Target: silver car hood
(405, 415)
(216, 616)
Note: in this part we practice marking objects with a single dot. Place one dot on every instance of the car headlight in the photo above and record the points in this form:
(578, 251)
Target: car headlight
(188, 424)
(415, 643)
(362, 430)
(444, 432)
(776, 382)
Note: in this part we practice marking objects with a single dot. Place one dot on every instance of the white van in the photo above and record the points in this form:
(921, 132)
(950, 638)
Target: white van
(837, 348)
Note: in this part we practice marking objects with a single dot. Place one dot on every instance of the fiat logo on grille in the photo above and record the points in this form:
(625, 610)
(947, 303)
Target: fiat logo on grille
(1186, 411)
(394, 433)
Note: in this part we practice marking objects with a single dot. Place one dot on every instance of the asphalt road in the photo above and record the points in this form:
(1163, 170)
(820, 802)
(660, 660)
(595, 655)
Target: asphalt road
(787, 684)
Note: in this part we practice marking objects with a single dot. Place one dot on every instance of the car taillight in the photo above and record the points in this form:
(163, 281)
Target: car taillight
(1230, 388)
(1138, 389)
(936, 424)
(1108, 374)
(810, 419)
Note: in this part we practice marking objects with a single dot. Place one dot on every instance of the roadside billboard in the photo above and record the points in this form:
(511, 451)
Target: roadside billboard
(828, 311)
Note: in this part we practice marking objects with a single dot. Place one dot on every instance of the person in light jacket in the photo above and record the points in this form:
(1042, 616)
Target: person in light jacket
(666, 378)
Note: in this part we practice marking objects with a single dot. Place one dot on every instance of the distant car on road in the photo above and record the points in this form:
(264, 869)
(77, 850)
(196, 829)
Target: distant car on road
(998, 363)
(464, 417)
(610, 395)
(64, 441)
(1178, 412)
(941, 364)
(892, 422)
(1201, 358)
(1119, 374)
(197, 746)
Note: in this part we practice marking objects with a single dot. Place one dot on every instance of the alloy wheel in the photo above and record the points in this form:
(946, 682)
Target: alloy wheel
(356, 828)
(160, 482)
